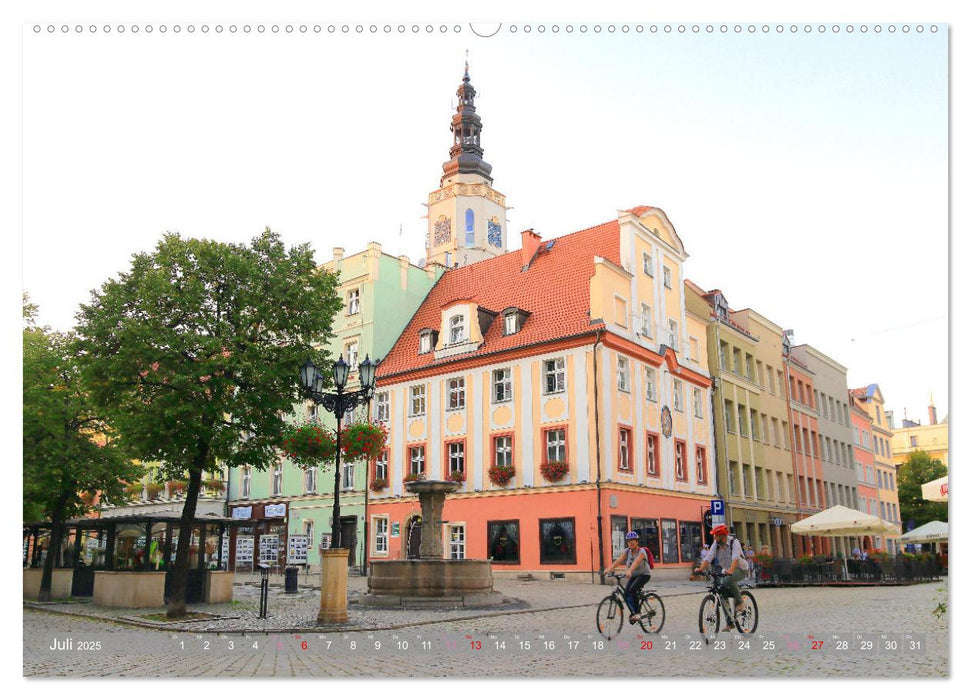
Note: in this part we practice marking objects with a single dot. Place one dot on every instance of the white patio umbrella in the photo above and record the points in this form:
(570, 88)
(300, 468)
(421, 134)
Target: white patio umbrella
(934, 531)
(935, 490)
(840, 521)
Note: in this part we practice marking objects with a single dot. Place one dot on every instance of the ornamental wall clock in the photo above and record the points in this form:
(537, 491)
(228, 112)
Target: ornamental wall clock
(666, 421)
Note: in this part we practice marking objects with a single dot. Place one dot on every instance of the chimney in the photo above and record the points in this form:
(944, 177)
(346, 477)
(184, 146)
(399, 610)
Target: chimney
(338, 254)
(932, 412)
(531, 242)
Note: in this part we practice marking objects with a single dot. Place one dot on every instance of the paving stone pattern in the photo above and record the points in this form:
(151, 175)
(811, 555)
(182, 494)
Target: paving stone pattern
(551, 609)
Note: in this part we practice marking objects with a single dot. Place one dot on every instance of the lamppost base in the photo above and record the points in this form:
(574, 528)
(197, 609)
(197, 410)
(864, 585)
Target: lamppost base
(333, 586)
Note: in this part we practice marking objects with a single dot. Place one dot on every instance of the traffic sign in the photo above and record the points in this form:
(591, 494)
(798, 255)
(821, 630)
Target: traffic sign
(717, 507)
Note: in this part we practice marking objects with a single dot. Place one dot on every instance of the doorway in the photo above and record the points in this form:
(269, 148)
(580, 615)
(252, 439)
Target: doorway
(349, 537)
(414, 537)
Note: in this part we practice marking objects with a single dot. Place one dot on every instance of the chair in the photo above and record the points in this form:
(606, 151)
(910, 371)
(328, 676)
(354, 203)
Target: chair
(782, 570)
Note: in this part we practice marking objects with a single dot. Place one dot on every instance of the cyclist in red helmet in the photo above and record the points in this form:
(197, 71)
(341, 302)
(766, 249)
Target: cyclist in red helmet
(725, 556)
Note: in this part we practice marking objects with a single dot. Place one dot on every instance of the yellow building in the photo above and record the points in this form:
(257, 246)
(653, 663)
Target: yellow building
(913, 436)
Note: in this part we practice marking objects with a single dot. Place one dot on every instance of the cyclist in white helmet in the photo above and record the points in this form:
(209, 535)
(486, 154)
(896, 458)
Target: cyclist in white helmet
(638, 571)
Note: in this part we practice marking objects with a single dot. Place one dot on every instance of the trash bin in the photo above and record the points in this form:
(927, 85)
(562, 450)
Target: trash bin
(290, 581)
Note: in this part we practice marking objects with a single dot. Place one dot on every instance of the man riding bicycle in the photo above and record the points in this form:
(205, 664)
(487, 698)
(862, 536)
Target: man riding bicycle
(638, 570)
(728, 559)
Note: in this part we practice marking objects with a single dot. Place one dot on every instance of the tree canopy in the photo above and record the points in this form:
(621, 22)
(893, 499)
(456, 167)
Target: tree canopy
(918, 469)
(195, 351)
(68, 447)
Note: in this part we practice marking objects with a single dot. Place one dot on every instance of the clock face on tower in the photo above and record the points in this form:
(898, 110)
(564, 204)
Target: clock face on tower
(495, 232)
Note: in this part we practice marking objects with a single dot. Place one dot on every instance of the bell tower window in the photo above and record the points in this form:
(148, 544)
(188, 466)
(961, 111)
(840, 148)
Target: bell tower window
(469, 228)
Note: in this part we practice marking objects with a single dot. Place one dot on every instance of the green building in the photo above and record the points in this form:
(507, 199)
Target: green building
(381, 293)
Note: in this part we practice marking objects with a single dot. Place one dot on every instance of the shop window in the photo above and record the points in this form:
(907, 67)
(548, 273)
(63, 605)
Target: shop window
(669, 541)
(690, 541)
(503, 541)
(618, 534)
(647, 529)
(557, 541)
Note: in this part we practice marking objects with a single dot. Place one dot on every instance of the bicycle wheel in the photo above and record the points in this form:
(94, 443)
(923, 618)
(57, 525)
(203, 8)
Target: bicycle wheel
(709, 616)
(610, 617)
(652, 613)
(747, 618)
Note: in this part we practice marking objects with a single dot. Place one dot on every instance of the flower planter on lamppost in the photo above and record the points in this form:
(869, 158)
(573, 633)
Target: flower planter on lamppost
(333, 582)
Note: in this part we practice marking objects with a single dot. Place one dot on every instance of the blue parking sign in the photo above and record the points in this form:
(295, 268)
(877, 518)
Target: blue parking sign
(718, 507)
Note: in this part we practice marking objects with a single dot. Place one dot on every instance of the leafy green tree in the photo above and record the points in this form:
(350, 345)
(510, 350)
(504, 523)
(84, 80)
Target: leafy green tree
(195, 353)
(68, 448)
(918, 469)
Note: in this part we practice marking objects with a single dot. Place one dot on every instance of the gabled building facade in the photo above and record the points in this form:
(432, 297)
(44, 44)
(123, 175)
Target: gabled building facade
(569, 354)
(870, 399)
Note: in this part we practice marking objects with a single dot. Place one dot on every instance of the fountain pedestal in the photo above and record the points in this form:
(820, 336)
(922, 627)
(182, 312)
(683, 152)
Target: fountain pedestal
(431, 580)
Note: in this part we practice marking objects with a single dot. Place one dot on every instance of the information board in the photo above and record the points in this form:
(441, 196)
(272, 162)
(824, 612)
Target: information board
(244, 549)
(269, 549)
(297, 549)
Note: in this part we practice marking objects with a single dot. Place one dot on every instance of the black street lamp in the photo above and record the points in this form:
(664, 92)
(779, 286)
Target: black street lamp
(338, 404)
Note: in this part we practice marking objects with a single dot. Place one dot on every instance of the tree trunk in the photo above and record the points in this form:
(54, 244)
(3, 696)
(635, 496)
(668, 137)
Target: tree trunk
(53, 549)
(180, 571)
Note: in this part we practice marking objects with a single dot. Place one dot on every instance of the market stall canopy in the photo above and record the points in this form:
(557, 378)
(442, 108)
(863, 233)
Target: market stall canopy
(840, 520)
(935, 490)
(934, 531)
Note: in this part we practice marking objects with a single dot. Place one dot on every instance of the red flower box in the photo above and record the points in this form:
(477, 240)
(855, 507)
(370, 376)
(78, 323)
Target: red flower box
(501, 475)
(363, 441)
(457, 476)
(554, 471)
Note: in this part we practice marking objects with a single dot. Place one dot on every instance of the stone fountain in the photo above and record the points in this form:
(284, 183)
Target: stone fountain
(431, 580)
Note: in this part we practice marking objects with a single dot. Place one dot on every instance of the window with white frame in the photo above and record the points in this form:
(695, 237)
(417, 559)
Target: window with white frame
(679, 471)
(667, 277)
(347, 483)
(456, 393)
(417, 404)
(647, 260)
(382, 407)
(310, 480)
(277, 481)
(501, 385)
(425, 343)
(351, 352)
(353, 301)
(503, 450)
(381, 466)
(653, 456)
(623, 374)
(380, 534)
(673, 334)
(456, 329)
(456, 457)
(313, 412)
(701, 465)
(510, 323)
(247, 481)
(650, 384)
(678, 398)
(308, 530)
(555, 375)
(698, 402)
(623, 453)
(646, 320)
(556, 445)
(416, 459)
(456, 541)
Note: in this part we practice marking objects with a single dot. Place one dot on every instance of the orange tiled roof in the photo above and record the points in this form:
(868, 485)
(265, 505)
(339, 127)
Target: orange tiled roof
(555, 290)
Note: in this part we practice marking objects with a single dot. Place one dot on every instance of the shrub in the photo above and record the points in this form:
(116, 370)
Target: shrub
(501, 475)
(216, 485)
(554, 471)
(363, 441)
(153, 491)
(176, 485)
(805, 559)
(134, 490)
(308, 444)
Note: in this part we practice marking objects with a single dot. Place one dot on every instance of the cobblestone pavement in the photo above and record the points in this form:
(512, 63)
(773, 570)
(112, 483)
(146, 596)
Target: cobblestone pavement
(556, 638)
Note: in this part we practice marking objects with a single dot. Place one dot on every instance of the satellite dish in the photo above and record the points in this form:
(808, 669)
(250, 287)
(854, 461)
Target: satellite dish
(421, 262)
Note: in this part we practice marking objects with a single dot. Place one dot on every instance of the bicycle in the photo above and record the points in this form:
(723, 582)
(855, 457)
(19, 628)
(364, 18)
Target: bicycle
(610, 612)
(719, 601)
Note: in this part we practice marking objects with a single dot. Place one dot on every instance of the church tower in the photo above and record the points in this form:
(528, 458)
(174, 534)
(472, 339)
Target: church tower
(466, 216)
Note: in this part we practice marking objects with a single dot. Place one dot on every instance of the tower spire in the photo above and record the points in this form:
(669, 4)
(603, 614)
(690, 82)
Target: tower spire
(466, 150)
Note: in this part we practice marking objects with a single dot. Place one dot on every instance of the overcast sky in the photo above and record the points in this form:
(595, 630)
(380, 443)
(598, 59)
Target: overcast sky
(805, 174)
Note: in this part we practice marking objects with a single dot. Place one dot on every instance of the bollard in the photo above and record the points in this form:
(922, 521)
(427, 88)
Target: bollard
(264, 588)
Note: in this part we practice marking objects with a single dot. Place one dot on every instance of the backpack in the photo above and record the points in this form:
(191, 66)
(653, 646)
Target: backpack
(650, 557)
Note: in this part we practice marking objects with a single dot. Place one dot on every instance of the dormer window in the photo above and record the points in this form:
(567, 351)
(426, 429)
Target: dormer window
(426, 341)
(511, 323)
(456, 329)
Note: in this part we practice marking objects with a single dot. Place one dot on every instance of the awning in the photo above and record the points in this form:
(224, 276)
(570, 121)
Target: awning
(934, 531)
(935, 490)
(840, 521)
